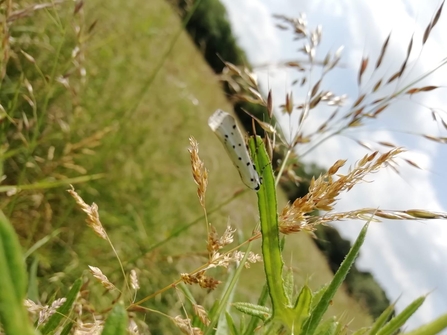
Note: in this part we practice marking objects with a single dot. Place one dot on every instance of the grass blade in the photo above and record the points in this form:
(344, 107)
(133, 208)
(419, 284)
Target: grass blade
(67, 329)
(381, 320)
(64, 310)
(13, 315)
(116, 323)
(317, 313)
(361, 331)
(400, 319)
(431, 328)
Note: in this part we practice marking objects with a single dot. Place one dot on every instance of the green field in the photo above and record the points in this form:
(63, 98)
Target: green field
(130, 121)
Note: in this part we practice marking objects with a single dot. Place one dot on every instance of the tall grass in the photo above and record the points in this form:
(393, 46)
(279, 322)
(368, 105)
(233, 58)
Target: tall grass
(41, 102)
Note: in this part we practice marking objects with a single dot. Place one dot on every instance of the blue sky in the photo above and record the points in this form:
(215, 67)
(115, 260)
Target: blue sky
(408, 258)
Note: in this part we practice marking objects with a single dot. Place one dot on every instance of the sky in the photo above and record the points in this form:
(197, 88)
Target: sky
(408, 258)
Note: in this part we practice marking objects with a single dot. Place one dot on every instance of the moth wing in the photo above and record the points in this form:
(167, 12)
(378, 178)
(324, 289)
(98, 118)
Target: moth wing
(218, 119)
(224, 126)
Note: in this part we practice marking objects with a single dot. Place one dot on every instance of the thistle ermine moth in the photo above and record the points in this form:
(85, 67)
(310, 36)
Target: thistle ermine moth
(225, 128)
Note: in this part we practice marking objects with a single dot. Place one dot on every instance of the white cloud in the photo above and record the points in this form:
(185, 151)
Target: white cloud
(252, 24)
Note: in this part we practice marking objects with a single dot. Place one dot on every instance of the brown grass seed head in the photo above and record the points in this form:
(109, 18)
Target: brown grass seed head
(199, 172)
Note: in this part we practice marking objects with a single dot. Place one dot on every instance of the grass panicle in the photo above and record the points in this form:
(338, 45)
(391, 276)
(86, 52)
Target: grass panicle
(199, 172)
(44, 312)
(97, 273)
(325, 190)
(92, 214)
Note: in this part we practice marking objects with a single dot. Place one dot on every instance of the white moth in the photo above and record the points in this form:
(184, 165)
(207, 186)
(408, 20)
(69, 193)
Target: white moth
(224, 126)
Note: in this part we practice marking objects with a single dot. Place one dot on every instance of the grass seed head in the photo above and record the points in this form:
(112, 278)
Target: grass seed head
(324, 191)
(186, 327)
(92, 214)
(97, 273)
(199, 172)
(89, 328)
(134, 280)
(202, 314)
(201, 279)
(44, 311)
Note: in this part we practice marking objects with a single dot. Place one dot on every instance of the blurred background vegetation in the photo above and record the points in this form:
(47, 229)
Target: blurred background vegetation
(104, 95)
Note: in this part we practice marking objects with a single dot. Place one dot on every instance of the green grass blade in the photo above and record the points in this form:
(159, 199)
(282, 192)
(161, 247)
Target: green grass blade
(267, 205)
(13, 315)
(116, 323)
(361, 331)
(41, 185)
(64, 310)
(13, 265)
(431, 328)
(381, 320)
(41, 243)
(212, 313)
(314, 320)
(231, 327)
(67, 329)
(33, 290)
(400, 319)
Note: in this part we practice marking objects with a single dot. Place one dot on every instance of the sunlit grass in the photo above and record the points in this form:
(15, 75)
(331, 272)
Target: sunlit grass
(83, 104)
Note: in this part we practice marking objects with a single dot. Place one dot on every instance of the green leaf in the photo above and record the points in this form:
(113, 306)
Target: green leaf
(13, 315)
(382, 319)
(302, 306)
(341, 329)
(312, 322)
(254, 320)
(64, 310)
(230, 324)
(328, 327)
(399, 320)
(261, 312)
(431, 328)
(116, 323)
(289, 285)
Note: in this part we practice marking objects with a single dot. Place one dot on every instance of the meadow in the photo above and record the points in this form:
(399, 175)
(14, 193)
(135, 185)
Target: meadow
(105, 96)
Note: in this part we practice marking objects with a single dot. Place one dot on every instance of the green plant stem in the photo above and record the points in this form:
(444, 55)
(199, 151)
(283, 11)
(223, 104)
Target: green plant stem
(283, 166)
(271, 251)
